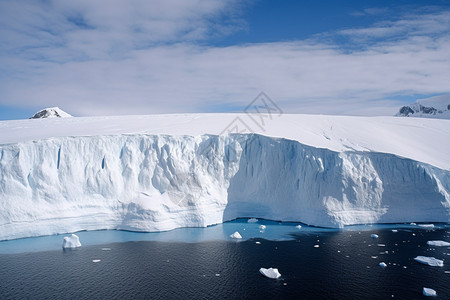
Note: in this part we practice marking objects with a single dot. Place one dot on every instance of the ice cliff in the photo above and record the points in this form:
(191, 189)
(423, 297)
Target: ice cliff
(148, 182)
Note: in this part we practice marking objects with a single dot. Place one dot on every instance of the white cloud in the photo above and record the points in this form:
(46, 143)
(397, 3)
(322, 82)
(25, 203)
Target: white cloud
(430, 24)
(143, 58)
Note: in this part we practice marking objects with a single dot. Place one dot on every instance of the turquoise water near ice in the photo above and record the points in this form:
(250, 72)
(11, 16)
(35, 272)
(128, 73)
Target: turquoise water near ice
(204, 263)
(274, 231)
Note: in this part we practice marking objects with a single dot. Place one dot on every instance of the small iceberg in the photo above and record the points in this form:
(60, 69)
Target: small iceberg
(270, 273)
(374, 236)
(236, 235)
(382, 264)
(96, 260)
(438, 243)
(429, 292)
(72, 241)
(426, 225)
(262, 227)
(252, 220)
(298, 226)
(431, 261)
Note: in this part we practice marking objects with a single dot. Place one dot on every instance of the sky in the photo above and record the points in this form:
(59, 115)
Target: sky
(113, 57)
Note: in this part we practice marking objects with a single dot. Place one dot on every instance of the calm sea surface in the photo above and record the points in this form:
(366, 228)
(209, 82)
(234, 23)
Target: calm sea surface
(206, 264)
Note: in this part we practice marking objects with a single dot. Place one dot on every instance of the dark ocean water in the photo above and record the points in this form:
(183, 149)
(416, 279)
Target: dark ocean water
(344, 266)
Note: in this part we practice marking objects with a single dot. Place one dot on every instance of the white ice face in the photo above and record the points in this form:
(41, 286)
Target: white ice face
(61, 183)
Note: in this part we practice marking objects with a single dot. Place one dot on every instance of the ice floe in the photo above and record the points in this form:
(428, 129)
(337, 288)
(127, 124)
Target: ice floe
(298, 226)
(270, 272)
(438, 243)
(374, 236)
(252, 220)
(429, 292)
(431, 261)
(426, 225)
(236, 235)
(262, 227)
(72, 241)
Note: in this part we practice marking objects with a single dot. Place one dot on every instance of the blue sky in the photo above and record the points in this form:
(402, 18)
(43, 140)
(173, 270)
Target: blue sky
(111, 57)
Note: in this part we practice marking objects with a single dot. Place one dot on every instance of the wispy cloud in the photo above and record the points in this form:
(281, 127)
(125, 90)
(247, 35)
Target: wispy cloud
(105, 57)
(431, 24)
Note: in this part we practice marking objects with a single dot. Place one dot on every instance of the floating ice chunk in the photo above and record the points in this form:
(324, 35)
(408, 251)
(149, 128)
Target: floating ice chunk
(252, 220)
(96, 260)
(298, 226)
(72, 241)
(426, 225)
(374, 236)
(262, 227)
(316, 246)
(258, 243)
(106, 249)
(236, 235)
(414, 224)
(394, 230)
(429, 292)
(438, 243)
(382, 264)
(431, 261)
(447, 272)
(270, 272)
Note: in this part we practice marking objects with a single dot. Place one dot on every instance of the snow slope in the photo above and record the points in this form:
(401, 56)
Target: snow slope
(152, 173)
(434, 107)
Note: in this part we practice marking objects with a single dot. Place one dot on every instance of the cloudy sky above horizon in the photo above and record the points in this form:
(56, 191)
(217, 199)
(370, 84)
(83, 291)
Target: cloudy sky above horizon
(112, 57)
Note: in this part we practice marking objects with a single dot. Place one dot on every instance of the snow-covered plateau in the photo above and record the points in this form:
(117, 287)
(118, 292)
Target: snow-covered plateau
(160, 172)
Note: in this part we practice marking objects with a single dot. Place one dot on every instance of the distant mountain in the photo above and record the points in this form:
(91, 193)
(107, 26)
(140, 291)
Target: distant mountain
(52, 112)
(435, 107)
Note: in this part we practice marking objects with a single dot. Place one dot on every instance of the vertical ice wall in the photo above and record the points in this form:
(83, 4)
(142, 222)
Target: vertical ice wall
(285, 180)
(151, 183)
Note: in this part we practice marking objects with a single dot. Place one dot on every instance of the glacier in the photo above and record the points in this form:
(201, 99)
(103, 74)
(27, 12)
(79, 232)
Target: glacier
(157, 182)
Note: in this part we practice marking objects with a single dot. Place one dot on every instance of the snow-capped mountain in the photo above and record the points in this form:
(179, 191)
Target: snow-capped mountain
(434, 107)
(153, 173)
(51, 112)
